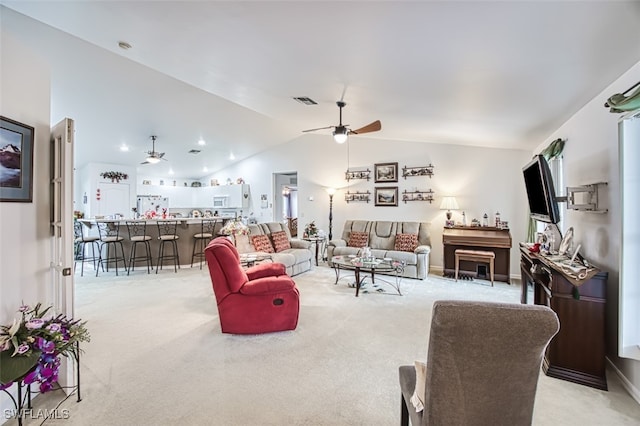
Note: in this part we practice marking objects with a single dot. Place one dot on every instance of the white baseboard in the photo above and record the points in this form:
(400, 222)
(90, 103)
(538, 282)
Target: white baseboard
(629, 387)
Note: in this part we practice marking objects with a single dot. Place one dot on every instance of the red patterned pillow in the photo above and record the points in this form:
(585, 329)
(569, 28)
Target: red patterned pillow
(262, 243)
(280, 241)
(358, 239)
(406, 242)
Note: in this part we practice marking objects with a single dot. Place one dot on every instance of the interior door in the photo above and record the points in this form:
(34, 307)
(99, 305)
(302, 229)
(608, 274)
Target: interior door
(62, 291)
(114, 199)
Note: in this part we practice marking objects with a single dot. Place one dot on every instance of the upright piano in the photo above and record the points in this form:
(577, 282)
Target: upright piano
(477, 238)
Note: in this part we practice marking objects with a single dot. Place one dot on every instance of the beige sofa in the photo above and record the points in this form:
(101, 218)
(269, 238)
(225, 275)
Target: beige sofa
(382, 237)
(297, 259)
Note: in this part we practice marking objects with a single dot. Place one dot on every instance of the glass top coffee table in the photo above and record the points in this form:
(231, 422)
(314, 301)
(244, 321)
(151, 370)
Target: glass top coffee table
(368, 266)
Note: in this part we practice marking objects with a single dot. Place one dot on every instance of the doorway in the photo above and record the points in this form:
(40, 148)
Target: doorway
(286, 200)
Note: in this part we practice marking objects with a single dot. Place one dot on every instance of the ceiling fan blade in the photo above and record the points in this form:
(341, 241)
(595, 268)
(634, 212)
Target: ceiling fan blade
(319, 128)
(145, 162)
(371, 127)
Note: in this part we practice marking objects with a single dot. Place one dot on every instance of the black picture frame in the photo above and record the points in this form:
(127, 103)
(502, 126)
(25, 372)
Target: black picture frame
(385, 172)
(386, 196)
(16, 161)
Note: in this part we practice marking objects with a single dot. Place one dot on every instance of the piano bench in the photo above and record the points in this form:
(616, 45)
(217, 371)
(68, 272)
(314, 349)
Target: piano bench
(475, 256)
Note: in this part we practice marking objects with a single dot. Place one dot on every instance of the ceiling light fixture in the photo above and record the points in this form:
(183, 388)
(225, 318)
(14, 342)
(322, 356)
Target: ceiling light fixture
(205, 169)
(232, 157)
(153, 160)
(201, 142)
(171, 171)
(340, 134)
(124, 148)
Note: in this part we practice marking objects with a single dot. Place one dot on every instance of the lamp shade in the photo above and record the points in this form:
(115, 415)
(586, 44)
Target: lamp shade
(331, 191)
(153, 160)
(340, 134)
(449, 203)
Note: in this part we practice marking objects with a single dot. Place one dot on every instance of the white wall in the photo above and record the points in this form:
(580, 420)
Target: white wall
(482, 179)
(24, 227)
(591, 155)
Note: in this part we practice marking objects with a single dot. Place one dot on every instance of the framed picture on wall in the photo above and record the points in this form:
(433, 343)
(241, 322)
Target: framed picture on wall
(386, 196)
(16, 161)
(386, 172)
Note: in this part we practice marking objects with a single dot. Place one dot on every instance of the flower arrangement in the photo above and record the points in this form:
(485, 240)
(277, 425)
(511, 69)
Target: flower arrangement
(114, 176)
(234, 227)
(310, 229)
(30, 348)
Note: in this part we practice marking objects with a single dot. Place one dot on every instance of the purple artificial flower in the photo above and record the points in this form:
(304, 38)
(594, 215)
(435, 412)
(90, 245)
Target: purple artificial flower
(34, 324)
(45, 346)
(54, 327)
(24, 308)
(47, 372)
(31, 377)
(45, 387)
(23, 348)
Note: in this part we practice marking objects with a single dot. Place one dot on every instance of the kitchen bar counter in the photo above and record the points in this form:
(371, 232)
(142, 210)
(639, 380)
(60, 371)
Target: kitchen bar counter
(187, 228)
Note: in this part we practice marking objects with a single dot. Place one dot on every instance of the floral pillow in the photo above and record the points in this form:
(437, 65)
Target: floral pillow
(262, 243)
(280, 241)
(358, 239)
(406, 242)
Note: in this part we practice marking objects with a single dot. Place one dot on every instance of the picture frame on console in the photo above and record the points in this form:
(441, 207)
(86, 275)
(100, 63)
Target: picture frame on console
(16, 161)
(386, 196)
(385, 172)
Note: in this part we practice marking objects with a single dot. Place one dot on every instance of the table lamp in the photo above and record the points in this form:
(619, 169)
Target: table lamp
(448, 204)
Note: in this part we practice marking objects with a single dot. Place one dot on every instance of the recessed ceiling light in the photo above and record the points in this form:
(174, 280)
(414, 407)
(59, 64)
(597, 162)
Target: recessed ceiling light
(231, 156)
(201, 142)
(204, 169)
(124, 45)
(170, 171)
(124, 148)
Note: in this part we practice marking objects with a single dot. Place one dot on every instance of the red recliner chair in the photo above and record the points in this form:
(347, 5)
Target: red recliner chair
(261, 299)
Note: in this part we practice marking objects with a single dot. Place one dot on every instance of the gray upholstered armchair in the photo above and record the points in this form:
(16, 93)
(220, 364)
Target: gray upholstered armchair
(482, 367)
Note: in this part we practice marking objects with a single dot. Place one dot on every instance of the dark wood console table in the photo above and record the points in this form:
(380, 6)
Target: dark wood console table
(477, 238)
(577, 352)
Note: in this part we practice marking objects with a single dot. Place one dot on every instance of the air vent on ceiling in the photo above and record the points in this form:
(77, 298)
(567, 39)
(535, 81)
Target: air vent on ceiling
(194, 151)
(305, 100)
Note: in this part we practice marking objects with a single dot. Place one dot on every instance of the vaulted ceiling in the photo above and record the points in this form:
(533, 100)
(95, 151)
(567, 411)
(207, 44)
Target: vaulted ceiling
(495, 74)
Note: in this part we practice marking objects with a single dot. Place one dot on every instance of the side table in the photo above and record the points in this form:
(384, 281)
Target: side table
(319, 241)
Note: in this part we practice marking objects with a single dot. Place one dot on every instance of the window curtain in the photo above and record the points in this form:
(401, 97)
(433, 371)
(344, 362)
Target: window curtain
(625, 101)
(549, 153)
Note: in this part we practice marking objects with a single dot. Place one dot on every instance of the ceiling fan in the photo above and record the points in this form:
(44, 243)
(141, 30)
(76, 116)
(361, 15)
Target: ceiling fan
(153, 156)
(341, 132)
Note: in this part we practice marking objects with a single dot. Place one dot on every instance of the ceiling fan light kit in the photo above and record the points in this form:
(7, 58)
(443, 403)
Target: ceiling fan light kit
(153, 156)
(341, 132)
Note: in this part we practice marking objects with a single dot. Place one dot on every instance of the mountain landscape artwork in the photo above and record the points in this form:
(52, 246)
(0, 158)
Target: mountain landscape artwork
(10, 159)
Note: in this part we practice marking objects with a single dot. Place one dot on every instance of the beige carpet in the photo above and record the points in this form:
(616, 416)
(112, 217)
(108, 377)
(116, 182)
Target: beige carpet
(157, 356)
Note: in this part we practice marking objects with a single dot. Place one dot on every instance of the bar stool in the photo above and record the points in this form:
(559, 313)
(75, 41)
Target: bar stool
(109, 237)
(200, 240)
(138, 235)
(167, 234)
(80, 241)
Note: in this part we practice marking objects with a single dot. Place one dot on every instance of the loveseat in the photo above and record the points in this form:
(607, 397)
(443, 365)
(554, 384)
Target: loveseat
(403, 241)
(296, 258)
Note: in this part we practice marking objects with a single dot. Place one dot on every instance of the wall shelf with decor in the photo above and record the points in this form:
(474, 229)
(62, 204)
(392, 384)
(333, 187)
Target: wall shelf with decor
(357, 174)
(417, 196)
(417, 171)
(358, 196)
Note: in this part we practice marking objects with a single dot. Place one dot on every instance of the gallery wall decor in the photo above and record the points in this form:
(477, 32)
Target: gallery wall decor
(386, 196)
(386, 172)
(357, 174)
(417, 171)
(357, 196)
(16, 161)
(417, 196)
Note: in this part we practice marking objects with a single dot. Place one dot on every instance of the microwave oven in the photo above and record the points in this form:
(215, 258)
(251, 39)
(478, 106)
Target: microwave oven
(220, 201)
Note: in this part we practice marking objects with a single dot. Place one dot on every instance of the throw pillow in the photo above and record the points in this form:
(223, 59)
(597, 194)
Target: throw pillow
(406, 242)
(417, 399)
(280, 241)
(262, 243)
(358, 239)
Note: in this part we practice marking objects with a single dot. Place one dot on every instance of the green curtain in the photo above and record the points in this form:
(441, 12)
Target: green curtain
(620, 103)
(549, 153)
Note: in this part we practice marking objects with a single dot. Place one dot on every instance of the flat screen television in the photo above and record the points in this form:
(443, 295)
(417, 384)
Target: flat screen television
(540, 190)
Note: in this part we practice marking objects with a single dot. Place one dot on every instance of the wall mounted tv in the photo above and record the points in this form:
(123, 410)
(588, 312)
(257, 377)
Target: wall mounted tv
(540, 190)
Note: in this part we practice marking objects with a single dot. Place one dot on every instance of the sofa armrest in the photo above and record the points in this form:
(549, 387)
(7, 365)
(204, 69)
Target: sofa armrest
(265, 270)
(422, 249)
(300, 244)
(268, 285)
(338, 243)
